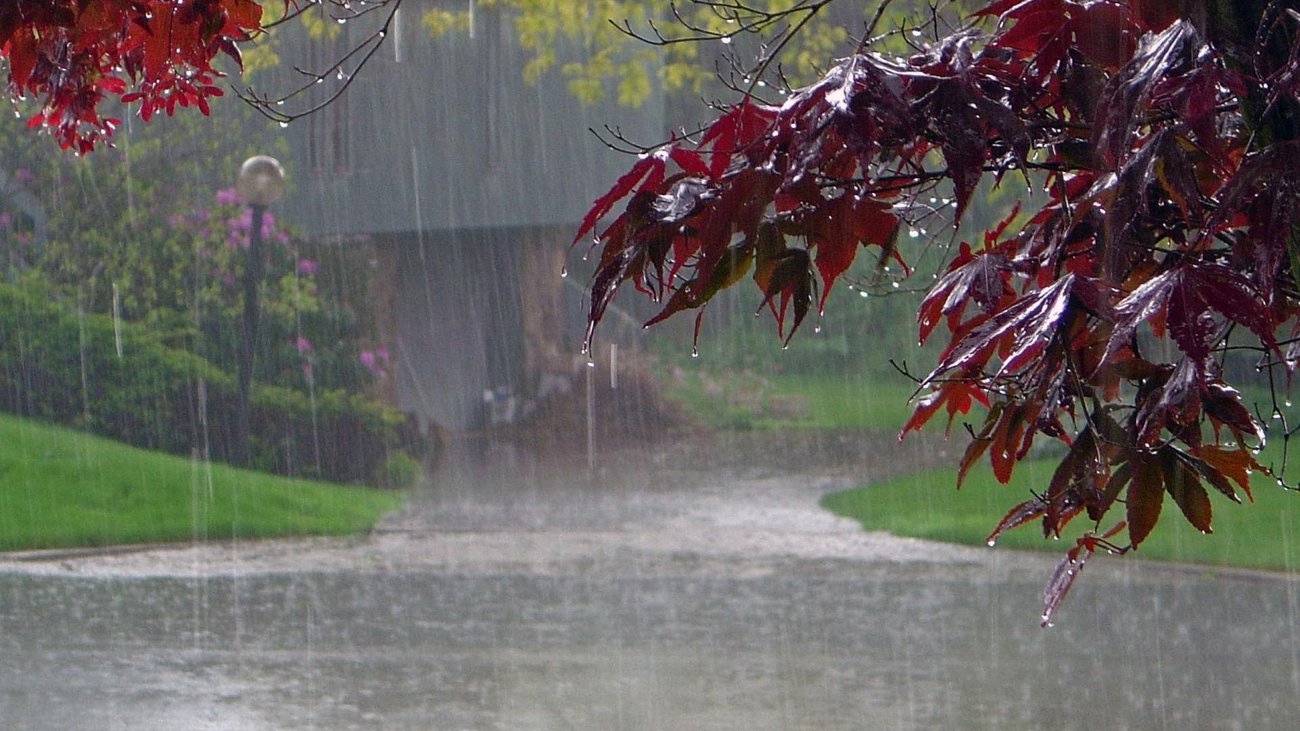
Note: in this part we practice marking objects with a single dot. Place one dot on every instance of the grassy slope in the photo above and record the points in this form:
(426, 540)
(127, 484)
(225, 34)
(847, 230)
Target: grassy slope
(61, 488)
(740, 401)
(1264, 534)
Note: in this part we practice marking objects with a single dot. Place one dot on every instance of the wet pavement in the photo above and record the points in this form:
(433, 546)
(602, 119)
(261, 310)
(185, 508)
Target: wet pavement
(694, 584)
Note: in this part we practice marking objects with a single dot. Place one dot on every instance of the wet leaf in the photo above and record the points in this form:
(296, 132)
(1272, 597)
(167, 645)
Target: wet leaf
(1184, 486)
(1158, 56)
(1183, 298)
(1062, 579)
(1230, 464)
(1017, 516)
(1145, 494)
(979, 279)
(647, 172)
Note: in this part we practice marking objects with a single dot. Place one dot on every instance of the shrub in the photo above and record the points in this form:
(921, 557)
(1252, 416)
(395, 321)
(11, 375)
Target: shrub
(120, 380)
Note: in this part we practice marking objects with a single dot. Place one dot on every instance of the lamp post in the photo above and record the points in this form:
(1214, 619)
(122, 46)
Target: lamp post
(260, 183)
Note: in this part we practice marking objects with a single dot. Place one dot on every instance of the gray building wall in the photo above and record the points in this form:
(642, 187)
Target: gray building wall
(456, 169)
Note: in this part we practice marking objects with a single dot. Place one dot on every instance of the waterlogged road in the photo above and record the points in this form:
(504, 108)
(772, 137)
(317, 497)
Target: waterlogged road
(521, 592)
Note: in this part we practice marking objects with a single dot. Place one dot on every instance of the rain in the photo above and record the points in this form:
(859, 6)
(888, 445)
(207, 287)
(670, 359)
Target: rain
(650, 533)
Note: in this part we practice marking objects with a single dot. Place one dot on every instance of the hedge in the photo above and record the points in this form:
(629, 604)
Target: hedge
(120, 380)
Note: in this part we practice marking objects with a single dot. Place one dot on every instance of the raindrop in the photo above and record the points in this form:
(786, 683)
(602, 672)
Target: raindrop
(913, 233)
(341, 21)
(726, 40)
(564, 272)
(695, 352)
(894, 285)
(1287, 403)
(283, 125)
(992, 542)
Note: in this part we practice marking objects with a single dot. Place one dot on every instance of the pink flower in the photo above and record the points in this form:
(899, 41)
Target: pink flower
(304, 345)
(306, 267)
(371, 361)
(227, 197)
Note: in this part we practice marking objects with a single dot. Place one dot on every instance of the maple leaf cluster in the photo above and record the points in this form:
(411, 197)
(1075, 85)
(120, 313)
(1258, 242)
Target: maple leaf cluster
(72, 55)
(1164, 149)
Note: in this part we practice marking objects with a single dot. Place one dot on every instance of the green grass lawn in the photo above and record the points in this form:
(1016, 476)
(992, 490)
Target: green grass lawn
(793, 401)
(1264, 534)
(61, 488)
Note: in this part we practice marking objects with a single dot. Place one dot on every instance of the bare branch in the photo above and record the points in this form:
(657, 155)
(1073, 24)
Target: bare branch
(342, 11)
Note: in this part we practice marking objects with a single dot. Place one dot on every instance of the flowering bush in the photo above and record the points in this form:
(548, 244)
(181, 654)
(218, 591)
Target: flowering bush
(309, 335)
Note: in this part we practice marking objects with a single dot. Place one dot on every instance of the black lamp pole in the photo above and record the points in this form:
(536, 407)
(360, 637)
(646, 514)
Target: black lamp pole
(254, 271)
(260, 183)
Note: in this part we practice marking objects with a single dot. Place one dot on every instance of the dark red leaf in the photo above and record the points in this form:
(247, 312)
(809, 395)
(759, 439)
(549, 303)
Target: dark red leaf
(958, 394)
(1063, 576)
(1184, 486)
(1126, 96)
(1145, 494)
(740, 126)
(1233, 464)
(981, 279)
(648, 171)
(1017, 516)
(1183, 297)
(786, 278)
(1024, 328)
